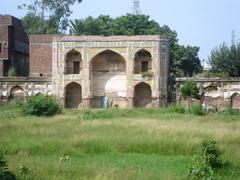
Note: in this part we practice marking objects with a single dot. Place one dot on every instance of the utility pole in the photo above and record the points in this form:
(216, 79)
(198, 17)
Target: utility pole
(136, 7)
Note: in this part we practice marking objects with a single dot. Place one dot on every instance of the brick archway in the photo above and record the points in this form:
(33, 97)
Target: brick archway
(73, 95)
(142, 95)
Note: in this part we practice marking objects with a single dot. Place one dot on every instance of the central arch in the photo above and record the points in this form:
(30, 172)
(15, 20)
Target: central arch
(73, 95)
(108, 76)
(142, 95)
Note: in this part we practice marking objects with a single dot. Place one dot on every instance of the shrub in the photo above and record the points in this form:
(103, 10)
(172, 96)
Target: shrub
(5, 174)
(207, 161)
(16, 102)
(212, 154)
(200, 170)
(198, 110)
(42, 106)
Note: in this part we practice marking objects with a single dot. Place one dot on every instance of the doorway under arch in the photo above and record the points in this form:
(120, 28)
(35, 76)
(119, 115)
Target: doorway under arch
(142, 95)
(142, 61)
(73, 62)
(73, 95)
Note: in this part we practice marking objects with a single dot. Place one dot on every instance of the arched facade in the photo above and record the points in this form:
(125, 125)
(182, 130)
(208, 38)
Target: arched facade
(110, 67)
(73, 62)
(73, 95)
(142, 61)
(142, 95)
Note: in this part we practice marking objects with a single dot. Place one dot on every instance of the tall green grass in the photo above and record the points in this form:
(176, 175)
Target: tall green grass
(114, 143)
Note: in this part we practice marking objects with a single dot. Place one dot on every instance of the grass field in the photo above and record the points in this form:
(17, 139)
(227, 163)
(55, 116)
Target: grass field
(114, 144)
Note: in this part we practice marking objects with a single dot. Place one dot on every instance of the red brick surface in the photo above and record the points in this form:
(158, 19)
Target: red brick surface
(41, 55)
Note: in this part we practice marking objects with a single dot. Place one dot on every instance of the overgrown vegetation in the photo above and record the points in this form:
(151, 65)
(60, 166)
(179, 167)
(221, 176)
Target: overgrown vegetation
(42, 105)
(112, 113)
(189, 90)
(226, 60)
(198, 110)
(115, 143)
(5, 174)
(207, 162)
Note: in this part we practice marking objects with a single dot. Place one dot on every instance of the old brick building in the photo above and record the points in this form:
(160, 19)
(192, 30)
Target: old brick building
(14, 48)
(84, 71)
(93, 71)
(126, 70)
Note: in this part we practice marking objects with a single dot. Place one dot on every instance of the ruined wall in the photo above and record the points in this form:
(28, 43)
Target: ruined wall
(14, 49)
(216, 92)
(23, 87)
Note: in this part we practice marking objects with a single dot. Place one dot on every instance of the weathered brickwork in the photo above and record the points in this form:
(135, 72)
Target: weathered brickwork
(216, 92)
(84, 70)
(23, 87)
(41, 55)
(14, 49)
(117, 82)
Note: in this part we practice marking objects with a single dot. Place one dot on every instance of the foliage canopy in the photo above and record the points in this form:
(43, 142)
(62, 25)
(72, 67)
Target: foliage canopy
(226, 59)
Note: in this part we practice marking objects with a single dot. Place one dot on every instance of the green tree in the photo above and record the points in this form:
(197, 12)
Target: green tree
(190, 90)
(185, 60)
(225, 59)
(47, 16)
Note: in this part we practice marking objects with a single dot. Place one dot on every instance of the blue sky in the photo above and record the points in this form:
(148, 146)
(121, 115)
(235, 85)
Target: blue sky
(204, 23)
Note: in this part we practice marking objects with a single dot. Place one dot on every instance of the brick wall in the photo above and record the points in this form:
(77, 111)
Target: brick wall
(14, 48)
(41, 55)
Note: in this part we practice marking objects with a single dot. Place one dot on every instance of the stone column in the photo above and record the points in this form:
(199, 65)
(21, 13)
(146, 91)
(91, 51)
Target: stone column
(129, 73)
(86, 83)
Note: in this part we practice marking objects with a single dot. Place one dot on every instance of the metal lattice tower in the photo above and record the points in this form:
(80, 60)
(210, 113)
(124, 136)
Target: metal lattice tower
(233, 37)
(136, 7)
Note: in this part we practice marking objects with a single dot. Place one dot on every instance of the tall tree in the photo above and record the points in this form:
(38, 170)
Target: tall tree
(226, 59)
(50, 16)
(185, 60)
(190, 90)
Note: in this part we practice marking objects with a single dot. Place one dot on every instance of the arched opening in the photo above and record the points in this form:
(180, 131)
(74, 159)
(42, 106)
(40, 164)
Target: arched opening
(142, 95)
(211, 95)
(142, 62)
(73, 62)
(235, 101)
(108, 76)
(73, 95)
(39, 94)
(16, 92)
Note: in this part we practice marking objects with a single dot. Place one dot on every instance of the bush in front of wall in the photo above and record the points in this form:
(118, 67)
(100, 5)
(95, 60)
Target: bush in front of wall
(198, 110)
(42, 106)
